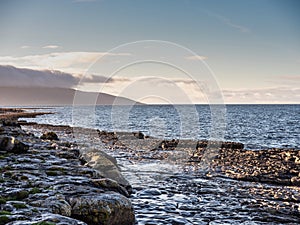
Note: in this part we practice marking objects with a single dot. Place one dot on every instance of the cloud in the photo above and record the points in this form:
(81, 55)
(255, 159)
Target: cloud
(102, 79)
(196, 57)
(51, 46)
(234, 25)
(177, 90)
(197, 91)
(70, 62)
(263, 95)
(16, 77)
(11, 76)
(229, 23)
(25, 47)
(293, 78)
(288, 81)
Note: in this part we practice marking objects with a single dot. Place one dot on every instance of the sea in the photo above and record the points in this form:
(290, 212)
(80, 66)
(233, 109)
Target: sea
(257, 126)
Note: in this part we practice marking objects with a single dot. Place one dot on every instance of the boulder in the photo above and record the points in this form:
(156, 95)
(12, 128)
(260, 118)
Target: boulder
(58, 205)
(106, 165)
(50, 136)
(139, 135)
(12, 145)
(105, 209)
(109, 184)
(10, 123)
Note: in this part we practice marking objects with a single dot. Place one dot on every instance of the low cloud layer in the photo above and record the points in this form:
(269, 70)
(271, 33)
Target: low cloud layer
(16, 77)
(175, 90)
(11, 76)
(264, 95)
(70, 62)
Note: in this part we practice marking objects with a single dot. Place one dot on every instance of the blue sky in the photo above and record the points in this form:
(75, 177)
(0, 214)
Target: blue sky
(251, 46)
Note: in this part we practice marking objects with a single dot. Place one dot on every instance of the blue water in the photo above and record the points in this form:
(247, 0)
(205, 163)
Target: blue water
(257, 126)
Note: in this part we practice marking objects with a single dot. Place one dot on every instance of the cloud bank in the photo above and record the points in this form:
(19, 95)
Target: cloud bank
(70, 62)
(11, 76)
(16, 77)
(263, 96)
(177, 88)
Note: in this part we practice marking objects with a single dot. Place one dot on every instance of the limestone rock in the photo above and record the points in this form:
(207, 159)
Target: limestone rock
(58, 205)
(12, 145)
(106, 164)
(139, 135)
(50, 136)
(104, 209)
(110, 184)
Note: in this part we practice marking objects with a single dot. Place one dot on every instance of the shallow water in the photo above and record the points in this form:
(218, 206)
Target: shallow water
(167, 194)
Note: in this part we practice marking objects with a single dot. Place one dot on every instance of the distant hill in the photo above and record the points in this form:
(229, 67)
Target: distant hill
(12, 96)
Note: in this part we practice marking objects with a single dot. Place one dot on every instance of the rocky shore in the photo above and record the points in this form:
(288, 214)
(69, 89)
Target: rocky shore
(46, 181)
(174, 181)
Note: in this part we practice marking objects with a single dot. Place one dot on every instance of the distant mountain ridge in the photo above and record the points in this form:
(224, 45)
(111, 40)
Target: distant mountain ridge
(12, 96)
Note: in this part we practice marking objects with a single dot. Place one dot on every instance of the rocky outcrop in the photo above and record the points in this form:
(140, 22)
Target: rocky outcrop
(48, 182)
(49, 136)
(105, 209)
(12, 145)
(277, 166)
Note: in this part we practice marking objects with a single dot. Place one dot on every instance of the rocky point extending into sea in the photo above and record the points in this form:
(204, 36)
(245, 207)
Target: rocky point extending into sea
(46, 181)
(50, 177)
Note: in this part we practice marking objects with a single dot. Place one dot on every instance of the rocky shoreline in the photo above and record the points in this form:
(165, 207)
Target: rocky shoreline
(266, 182)
(45, 181)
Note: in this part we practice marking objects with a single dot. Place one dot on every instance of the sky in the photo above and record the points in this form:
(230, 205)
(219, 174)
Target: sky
(247, 51)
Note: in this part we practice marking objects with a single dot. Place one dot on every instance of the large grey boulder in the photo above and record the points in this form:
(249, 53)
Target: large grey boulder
(105, 209)
(105, 164)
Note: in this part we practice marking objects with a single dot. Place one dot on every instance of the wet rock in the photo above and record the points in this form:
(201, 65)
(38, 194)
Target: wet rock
(110, 184)
(58, 205)
(139, 135)
(48, 219)
(295, 181)
(107, 137)
(17, 194)
(277, 166)
(45, 176)
(105, 164)
(50, 136)
(218, 144)
(152, 191)
(105, 209)
(168, 145)
(10, 123)
(12, 145)
(179, 222)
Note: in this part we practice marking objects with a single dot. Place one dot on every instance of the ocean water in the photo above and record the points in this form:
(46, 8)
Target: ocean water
(257, 126)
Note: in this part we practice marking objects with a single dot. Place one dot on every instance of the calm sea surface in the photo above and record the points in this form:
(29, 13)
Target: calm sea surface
(257, 126)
